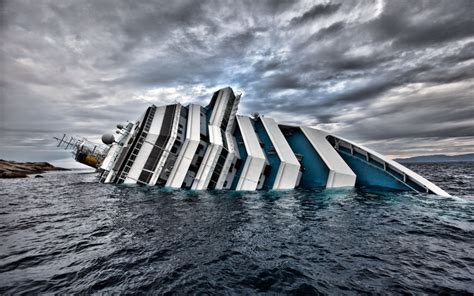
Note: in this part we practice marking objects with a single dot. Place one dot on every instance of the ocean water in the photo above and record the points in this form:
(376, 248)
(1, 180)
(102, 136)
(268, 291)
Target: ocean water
(66, 233)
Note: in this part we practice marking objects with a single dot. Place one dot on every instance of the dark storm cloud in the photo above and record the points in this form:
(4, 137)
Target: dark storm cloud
(465, 54)
(332, 29)
(398, 72)
(425, 24)
(314, 12)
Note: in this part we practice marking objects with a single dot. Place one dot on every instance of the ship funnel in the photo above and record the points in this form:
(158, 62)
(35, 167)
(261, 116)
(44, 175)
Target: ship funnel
(108, 139)
(119, 126)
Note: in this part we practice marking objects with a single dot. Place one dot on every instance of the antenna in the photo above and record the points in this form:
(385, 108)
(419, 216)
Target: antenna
(72, 143)
(84, 151)
(60, 140)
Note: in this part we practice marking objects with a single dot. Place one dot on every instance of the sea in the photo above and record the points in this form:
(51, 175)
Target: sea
(68, 234)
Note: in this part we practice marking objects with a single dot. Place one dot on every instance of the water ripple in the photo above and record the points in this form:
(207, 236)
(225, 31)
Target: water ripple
(66, 234)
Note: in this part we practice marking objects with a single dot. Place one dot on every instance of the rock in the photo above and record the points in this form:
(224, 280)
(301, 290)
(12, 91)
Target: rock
(13, 169)
(39, 176)
(11, 175)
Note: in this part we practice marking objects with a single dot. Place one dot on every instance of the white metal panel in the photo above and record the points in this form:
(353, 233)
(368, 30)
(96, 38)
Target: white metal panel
(204, 173)
(255, 162)
(190, 145)
(167, 148)
(144, 152)
(235, 157)
(111, 153)
(225, 170)
(220, 106)
(157, 122)
(109, 161)
(282, 147)
(340, 174)
(251, 174)
(251, 141)
(231, 158)
(226, 175)
(213, 152)
(215, 136)
(121, 144)
(138, 164)
(287, 175)
(230, 124)
(209, 161)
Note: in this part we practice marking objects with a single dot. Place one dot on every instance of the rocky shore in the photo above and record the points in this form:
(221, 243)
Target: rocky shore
(13, 169)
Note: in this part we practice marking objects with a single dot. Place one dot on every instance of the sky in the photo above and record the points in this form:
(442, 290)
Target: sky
(396, 76)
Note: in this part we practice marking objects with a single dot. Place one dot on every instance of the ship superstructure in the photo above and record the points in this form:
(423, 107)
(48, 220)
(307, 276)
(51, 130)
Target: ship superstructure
(211, 147)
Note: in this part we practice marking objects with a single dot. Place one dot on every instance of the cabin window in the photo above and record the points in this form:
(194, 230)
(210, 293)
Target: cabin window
(267, 170)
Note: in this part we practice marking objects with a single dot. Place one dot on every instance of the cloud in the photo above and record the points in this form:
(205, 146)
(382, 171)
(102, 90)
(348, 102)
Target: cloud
(424, 25)
(377, 72)
(328, 31)
(318, 10)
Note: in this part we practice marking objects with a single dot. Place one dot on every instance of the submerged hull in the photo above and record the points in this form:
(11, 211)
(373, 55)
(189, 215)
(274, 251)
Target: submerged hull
(212, 147)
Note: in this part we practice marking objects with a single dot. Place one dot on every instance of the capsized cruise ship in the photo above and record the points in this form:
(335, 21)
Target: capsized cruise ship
(211, 147)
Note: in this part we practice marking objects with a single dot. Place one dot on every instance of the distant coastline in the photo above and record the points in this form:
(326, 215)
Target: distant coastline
(13, 169)
(437, 158)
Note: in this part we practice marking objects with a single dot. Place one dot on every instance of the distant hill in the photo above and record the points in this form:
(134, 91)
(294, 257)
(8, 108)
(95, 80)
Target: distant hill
(437, 158)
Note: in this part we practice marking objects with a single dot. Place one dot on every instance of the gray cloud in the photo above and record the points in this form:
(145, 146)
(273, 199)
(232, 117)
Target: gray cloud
(376, 72)
(314, 12)
(425, 24)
